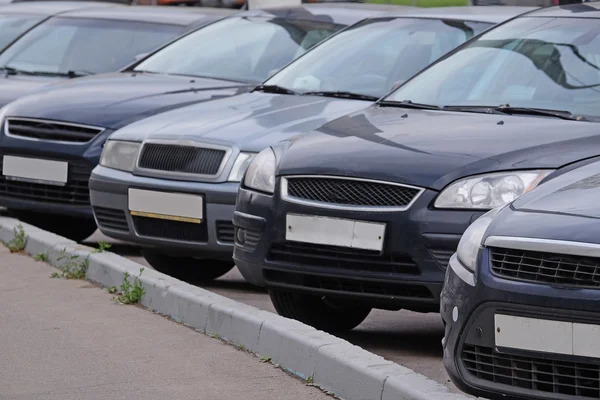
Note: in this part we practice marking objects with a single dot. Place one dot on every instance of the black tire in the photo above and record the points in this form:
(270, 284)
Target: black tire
(77, 229)
(187, 269)
(314, 311)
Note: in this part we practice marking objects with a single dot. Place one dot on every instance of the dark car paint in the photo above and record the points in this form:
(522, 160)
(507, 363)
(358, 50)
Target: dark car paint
(564, 208)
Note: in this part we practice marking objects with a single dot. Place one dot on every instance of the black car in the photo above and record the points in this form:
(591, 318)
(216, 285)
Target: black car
(56, 135)
(520, 300)
(96, 39)
(366, 211)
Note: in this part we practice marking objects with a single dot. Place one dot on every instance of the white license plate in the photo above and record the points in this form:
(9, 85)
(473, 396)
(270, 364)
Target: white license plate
(35, 170)
(163, 205)
(335, 232)
(547, 336)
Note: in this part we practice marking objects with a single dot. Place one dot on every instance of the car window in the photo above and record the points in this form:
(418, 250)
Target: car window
(373, 56)
(549, 63)
(13, 26)
(67, 44)
(241, 49)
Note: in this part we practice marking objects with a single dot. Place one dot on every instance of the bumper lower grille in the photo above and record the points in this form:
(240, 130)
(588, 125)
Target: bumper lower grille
(349, 192)
(546, 268)
(183, 159)
(341, 258)
(171, 230)
(225, 231)
(111, 219)
(75, 192)
(442, 256)
(537, 374)
(51, 130)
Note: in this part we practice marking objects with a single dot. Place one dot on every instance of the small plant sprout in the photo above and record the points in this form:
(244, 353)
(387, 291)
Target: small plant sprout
(102, 246)
(19, 240)
(310, 380)
(131, 293)
(112, 289)
(41, 257)
(71, 267)
(265, 359)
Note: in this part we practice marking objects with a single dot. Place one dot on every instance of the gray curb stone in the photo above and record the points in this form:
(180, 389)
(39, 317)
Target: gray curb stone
(333, 364)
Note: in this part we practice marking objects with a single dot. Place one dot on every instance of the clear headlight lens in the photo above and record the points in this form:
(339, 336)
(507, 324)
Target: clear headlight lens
(120, 155)
(490, 190)
(261, 172)
(470, 242)
(240, 166)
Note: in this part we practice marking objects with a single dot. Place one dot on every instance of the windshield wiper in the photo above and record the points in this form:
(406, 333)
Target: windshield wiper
(507, 109)
(344, 95)
(273, 89)
(68, 74)
(14, 71)
(409, 104)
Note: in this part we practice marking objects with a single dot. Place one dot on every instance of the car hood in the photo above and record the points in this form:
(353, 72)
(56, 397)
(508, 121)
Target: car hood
(433, 148)
(250, 121)
(14, 86)
(115, 100)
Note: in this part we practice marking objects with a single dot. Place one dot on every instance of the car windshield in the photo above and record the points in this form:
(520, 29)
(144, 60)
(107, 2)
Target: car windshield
(12, 26)
(541, 63)
(375, 55)
(239, 49)
(85, 46)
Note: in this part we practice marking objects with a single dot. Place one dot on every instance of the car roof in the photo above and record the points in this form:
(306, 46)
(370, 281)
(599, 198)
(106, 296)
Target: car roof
(338, 13)
(492, 14)
(53, 7)
(157, 14)
(581, 10)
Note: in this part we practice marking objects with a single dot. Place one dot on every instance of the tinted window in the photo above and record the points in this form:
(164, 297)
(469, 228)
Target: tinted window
(64, 44)
(550, 63)
(13, 26)
(244, 49)
(373, 56)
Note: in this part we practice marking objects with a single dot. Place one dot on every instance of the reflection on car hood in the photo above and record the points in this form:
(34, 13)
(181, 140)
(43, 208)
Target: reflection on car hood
(250, 121)
(433, 148)
(115, 100)
(14, 86)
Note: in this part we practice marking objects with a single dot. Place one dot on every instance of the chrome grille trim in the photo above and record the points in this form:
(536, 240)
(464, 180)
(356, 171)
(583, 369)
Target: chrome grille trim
(545, 245)
(7, 132)
(291, 199)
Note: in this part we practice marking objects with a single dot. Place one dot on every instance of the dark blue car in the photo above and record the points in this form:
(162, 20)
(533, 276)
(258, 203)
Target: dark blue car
(520, 301)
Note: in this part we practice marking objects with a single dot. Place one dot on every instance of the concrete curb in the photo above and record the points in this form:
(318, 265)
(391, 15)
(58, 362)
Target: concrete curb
(329, 362)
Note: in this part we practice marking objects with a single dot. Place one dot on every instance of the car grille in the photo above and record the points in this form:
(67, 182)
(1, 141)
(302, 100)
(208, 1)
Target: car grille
(225, 231)
(442, 256)
(111, 219)
(348, 192)
(75, 191)
(341, 258)
(546, 268)
(544, 375)
(171, 230)
(182, 159)
(51, 130)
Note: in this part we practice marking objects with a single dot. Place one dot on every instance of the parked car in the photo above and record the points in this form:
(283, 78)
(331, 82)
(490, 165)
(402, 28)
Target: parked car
(178, 198)
(16, 19)
(520, 300)
(56, 136)
(366, 211)
(106, 38)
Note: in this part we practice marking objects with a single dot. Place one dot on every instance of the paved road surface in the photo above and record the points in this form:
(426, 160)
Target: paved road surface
(67, 340)
(408, 338)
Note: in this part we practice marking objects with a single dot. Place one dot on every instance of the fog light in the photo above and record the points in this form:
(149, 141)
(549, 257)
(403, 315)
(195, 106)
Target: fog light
(241, 235)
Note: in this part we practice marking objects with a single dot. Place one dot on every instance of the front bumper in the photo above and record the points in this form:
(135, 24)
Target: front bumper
(477, 366)
(408, 274)
(213, 238)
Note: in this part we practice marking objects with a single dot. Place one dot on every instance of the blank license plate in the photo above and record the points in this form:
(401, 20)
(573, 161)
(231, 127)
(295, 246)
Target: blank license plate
(547, 336)
(335, 232)
(35, 170)
(163, 205)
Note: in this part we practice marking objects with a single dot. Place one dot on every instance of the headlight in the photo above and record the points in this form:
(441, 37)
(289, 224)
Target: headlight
(470, 242)
(261, 172)
(240, 166)
(488, 191)
(120, 155)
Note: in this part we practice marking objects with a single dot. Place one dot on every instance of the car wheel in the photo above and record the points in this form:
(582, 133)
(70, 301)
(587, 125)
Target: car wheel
(316, 312)
(187, 269)
(77, 229)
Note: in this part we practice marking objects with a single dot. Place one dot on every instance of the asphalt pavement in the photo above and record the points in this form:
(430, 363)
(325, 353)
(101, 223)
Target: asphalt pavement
(67, 339)
(407, 338)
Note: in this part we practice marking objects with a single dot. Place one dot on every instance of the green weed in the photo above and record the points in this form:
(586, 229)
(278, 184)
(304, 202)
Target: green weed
(131, 293)
(19, 240)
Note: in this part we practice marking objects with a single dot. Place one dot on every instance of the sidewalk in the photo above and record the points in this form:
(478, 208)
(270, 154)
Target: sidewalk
(67, 340)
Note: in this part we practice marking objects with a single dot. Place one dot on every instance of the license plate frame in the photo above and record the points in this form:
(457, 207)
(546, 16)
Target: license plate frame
(35, 170)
